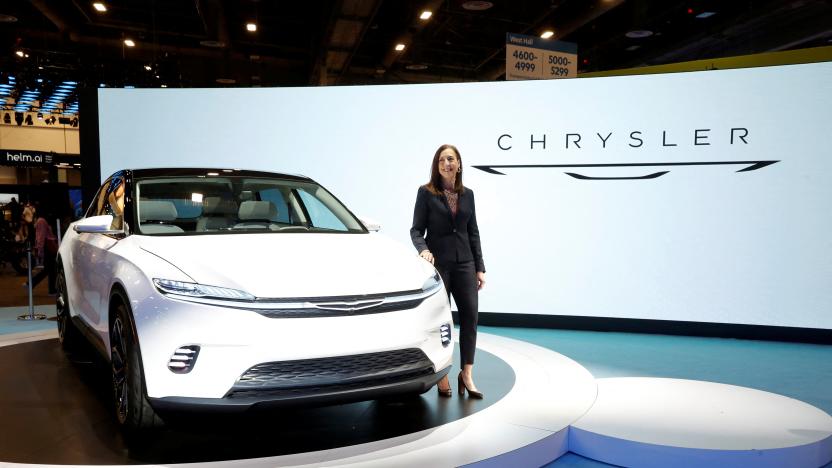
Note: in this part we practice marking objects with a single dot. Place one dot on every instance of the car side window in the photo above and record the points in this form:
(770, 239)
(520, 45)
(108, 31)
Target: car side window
(92, 210)
(110, 201)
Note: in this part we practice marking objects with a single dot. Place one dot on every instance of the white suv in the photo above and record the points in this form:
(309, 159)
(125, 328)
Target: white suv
(227, 289)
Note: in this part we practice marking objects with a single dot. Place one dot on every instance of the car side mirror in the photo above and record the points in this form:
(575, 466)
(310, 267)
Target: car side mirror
(370, 224)
(97, 224)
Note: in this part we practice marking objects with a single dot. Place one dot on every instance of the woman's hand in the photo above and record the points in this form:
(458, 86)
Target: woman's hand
(427, 255)
(480, 280)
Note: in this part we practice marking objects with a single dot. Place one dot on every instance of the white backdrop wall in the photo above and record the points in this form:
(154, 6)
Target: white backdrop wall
(699, 243)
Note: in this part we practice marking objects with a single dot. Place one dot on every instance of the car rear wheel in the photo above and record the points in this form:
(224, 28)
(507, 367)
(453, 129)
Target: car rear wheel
(133, 412)
(68, 335)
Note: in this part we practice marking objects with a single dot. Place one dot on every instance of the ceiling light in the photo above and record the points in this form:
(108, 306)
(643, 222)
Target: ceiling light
(213, 173)
(148, 67)
(416, 66)
(164, 86)
(129, 43)
(426, 15)
(705, 14)
(547, 34)
(99, 7)
(639, 34)
(251, 27)
(399, 47)
(19, 53)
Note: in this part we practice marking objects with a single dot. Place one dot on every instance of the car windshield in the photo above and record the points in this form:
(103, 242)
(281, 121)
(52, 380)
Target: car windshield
(231, 205)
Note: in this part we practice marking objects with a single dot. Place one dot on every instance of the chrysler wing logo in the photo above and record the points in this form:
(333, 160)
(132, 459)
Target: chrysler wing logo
(746, 167)
(348, 306)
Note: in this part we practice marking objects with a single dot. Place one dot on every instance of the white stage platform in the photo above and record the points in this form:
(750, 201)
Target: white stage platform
(556, 406)
(654, 422)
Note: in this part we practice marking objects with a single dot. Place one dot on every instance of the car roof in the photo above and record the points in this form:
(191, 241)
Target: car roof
(202, 171)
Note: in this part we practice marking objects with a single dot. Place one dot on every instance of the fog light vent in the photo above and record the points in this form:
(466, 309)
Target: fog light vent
(183, 359)
(445, 334)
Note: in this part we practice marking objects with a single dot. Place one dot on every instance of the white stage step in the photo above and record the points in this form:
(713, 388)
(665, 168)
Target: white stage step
(655, 422)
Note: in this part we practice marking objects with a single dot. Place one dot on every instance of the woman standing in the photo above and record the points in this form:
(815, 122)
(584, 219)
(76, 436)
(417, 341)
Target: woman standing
(445, 209)
(46, 249)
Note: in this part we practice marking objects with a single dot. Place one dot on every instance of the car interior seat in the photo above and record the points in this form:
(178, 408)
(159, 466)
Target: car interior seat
(154, 216)
(256, 214)
(217, 214)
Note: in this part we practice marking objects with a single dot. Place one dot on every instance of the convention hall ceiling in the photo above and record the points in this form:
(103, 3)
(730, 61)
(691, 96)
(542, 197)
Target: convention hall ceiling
(207, 43)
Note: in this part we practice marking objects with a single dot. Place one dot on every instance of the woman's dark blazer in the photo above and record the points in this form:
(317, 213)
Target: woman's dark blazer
(450, 239)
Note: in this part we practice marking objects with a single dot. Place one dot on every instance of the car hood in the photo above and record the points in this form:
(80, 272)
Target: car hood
(278, 265)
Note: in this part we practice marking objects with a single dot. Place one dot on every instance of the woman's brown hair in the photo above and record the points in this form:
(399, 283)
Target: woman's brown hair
(435, 183)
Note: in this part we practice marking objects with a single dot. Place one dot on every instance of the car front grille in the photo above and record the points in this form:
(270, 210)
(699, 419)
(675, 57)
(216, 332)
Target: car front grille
(338, 306)
(323, 310)
(307, 376)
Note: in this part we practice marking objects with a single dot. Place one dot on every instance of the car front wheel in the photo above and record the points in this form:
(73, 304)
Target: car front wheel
(133, 412)
(68, 335)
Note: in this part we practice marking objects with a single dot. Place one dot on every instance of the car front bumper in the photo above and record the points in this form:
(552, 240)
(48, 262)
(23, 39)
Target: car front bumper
(233, 341)
(303, 397)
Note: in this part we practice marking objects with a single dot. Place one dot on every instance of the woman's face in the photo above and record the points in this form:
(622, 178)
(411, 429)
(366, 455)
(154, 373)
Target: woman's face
(448, 164)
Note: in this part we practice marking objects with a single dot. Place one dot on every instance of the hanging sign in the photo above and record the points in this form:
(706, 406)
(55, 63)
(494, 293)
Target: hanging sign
(534, 58)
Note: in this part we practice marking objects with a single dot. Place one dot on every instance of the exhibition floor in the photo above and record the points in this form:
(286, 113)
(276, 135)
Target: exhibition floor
(667, 382)
(65, 404)
(13, 292)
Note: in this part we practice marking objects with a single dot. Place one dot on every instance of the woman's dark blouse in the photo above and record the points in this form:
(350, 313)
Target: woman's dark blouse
(449, 238)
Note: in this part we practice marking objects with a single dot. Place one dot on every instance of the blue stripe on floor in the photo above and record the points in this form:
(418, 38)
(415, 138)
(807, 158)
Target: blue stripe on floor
(10, 324)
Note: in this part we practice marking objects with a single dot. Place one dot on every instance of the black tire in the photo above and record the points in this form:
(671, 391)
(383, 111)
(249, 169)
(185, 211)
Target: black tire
(133, 413)
(69, 336)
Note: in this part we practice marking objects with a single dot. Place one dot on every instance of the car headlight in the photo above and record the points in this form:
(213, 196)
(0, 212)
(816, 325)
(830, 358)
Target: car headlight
(182, 288)
(433, 283)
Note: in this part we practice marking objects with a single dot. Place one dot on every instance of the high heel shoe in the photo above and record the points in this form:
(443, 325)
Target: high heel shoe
(463, 387)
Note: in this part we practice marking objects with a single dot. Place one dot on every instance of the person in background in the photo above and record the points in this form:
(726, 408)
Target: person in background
(45, 249)
(445, 209)
(25, 227)
(14, 210)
